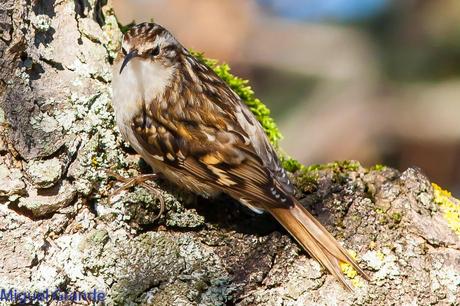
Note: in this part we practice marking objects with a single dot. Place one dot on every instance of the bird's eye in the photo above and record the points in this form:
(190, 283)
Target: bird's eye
(155, 51)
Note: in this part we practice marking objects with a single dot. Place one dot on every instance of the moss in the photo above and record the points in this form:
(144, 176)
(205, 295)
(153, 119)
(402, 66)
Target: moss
(349, 165)
(308, 181)
(378, 167)
(290, 164)
(450, 207)
(396, 216)
(337, 166)
(309, 174)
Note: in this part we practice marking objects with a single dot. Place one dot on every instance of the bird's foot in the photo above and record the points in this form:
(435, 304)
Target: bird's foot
(142, 180)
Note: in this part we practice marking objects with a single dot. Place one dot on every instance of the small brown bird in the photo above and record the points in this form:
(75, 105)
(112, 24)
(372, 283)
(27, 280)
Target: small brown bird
(190, 126)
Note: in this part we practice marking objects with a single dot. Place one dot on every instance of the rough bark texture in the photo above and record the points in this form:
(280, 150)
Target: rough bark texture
(58, 231)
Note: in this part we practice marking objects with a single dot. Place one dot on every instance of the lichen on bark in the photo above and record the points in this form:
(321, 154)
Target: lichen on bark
(57, 229)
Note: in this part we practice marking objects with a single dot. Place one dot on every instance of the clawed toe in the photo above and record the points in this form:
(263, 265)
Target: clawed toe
(142, 180)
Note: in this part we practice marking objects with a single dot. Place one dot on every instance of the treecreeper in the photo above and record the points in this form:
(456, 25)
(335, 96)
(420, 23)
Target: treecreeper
(192, 128)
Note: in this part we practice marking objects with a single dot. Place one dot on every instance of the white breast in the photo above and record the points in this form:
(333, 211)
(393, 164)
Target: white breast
(140, 82)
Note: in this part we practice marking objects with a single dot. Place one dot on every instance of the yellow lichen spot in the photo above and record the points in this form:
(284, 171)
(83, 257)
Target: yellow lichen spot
(352, 254)
(94, 162)
(350, 272)
(372, 245)
(356, 282)
(450, 207)
(380, 255)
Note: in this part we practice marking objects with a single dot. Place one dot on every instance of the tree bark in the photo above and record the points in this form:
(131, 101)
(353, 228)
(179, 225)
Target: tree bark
(57, 229)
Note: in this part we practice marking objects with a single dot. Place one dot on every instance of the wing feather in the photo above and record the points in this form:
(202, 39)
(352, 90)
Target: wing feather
(212, 135)
(214, 139)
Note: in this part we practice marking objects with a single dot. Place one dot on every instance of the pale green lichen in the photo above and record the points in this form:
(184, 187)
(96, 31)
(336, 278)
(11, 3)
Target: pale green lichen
(2, 116)
(41, 205)
(44, 173)
(112, 34)
(44, 122)
(42, 23)
(374, 259)
(142, 207)
(450, 207)
(11, 183)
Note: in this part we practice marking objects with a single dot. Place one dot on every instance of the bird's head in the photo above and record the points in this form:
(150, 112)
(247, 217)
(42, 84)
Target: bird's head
(149, 43)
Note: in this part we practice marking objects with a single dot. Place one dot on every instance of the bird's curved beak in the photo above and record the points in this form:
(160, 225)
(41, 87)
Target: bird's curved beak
(132, 54)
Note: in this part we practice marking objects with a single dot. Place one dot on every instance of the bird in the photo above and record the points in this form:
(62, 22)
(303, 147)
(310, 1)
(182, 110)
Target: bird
(193, 129)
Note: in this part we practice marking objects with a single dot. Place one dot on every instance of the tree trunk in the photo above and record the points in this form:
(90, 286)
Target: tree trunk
(58, 231)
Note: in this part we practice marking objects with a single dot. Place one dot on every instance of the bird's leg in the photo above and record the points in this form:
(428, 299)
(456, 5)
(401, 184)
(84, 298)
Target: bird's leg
(137, 180)
(130, 182)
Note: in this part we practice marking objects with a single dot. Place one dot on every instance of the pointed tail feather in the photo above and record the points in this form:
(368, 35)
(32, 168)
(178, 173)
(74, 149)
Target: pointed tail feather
(316, 240)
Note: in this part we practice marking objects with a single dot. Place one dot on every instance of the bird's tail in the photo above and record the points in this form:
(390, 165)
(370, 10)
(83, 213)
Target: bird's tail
(316, 240)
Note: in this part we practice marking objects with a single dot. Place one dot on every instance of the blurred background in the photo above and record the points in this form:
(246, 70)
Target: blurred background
(377, 81)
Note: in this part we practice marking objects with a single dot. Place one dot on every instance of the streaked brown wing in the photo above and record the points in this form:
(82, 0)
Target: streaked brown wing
(263, 149)
(223, 161)
(218, 93)
(207, 132)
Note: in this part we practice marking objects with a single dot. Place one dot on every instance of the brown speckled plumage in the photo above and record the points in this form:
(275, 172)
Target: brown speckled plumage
(189, 125)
